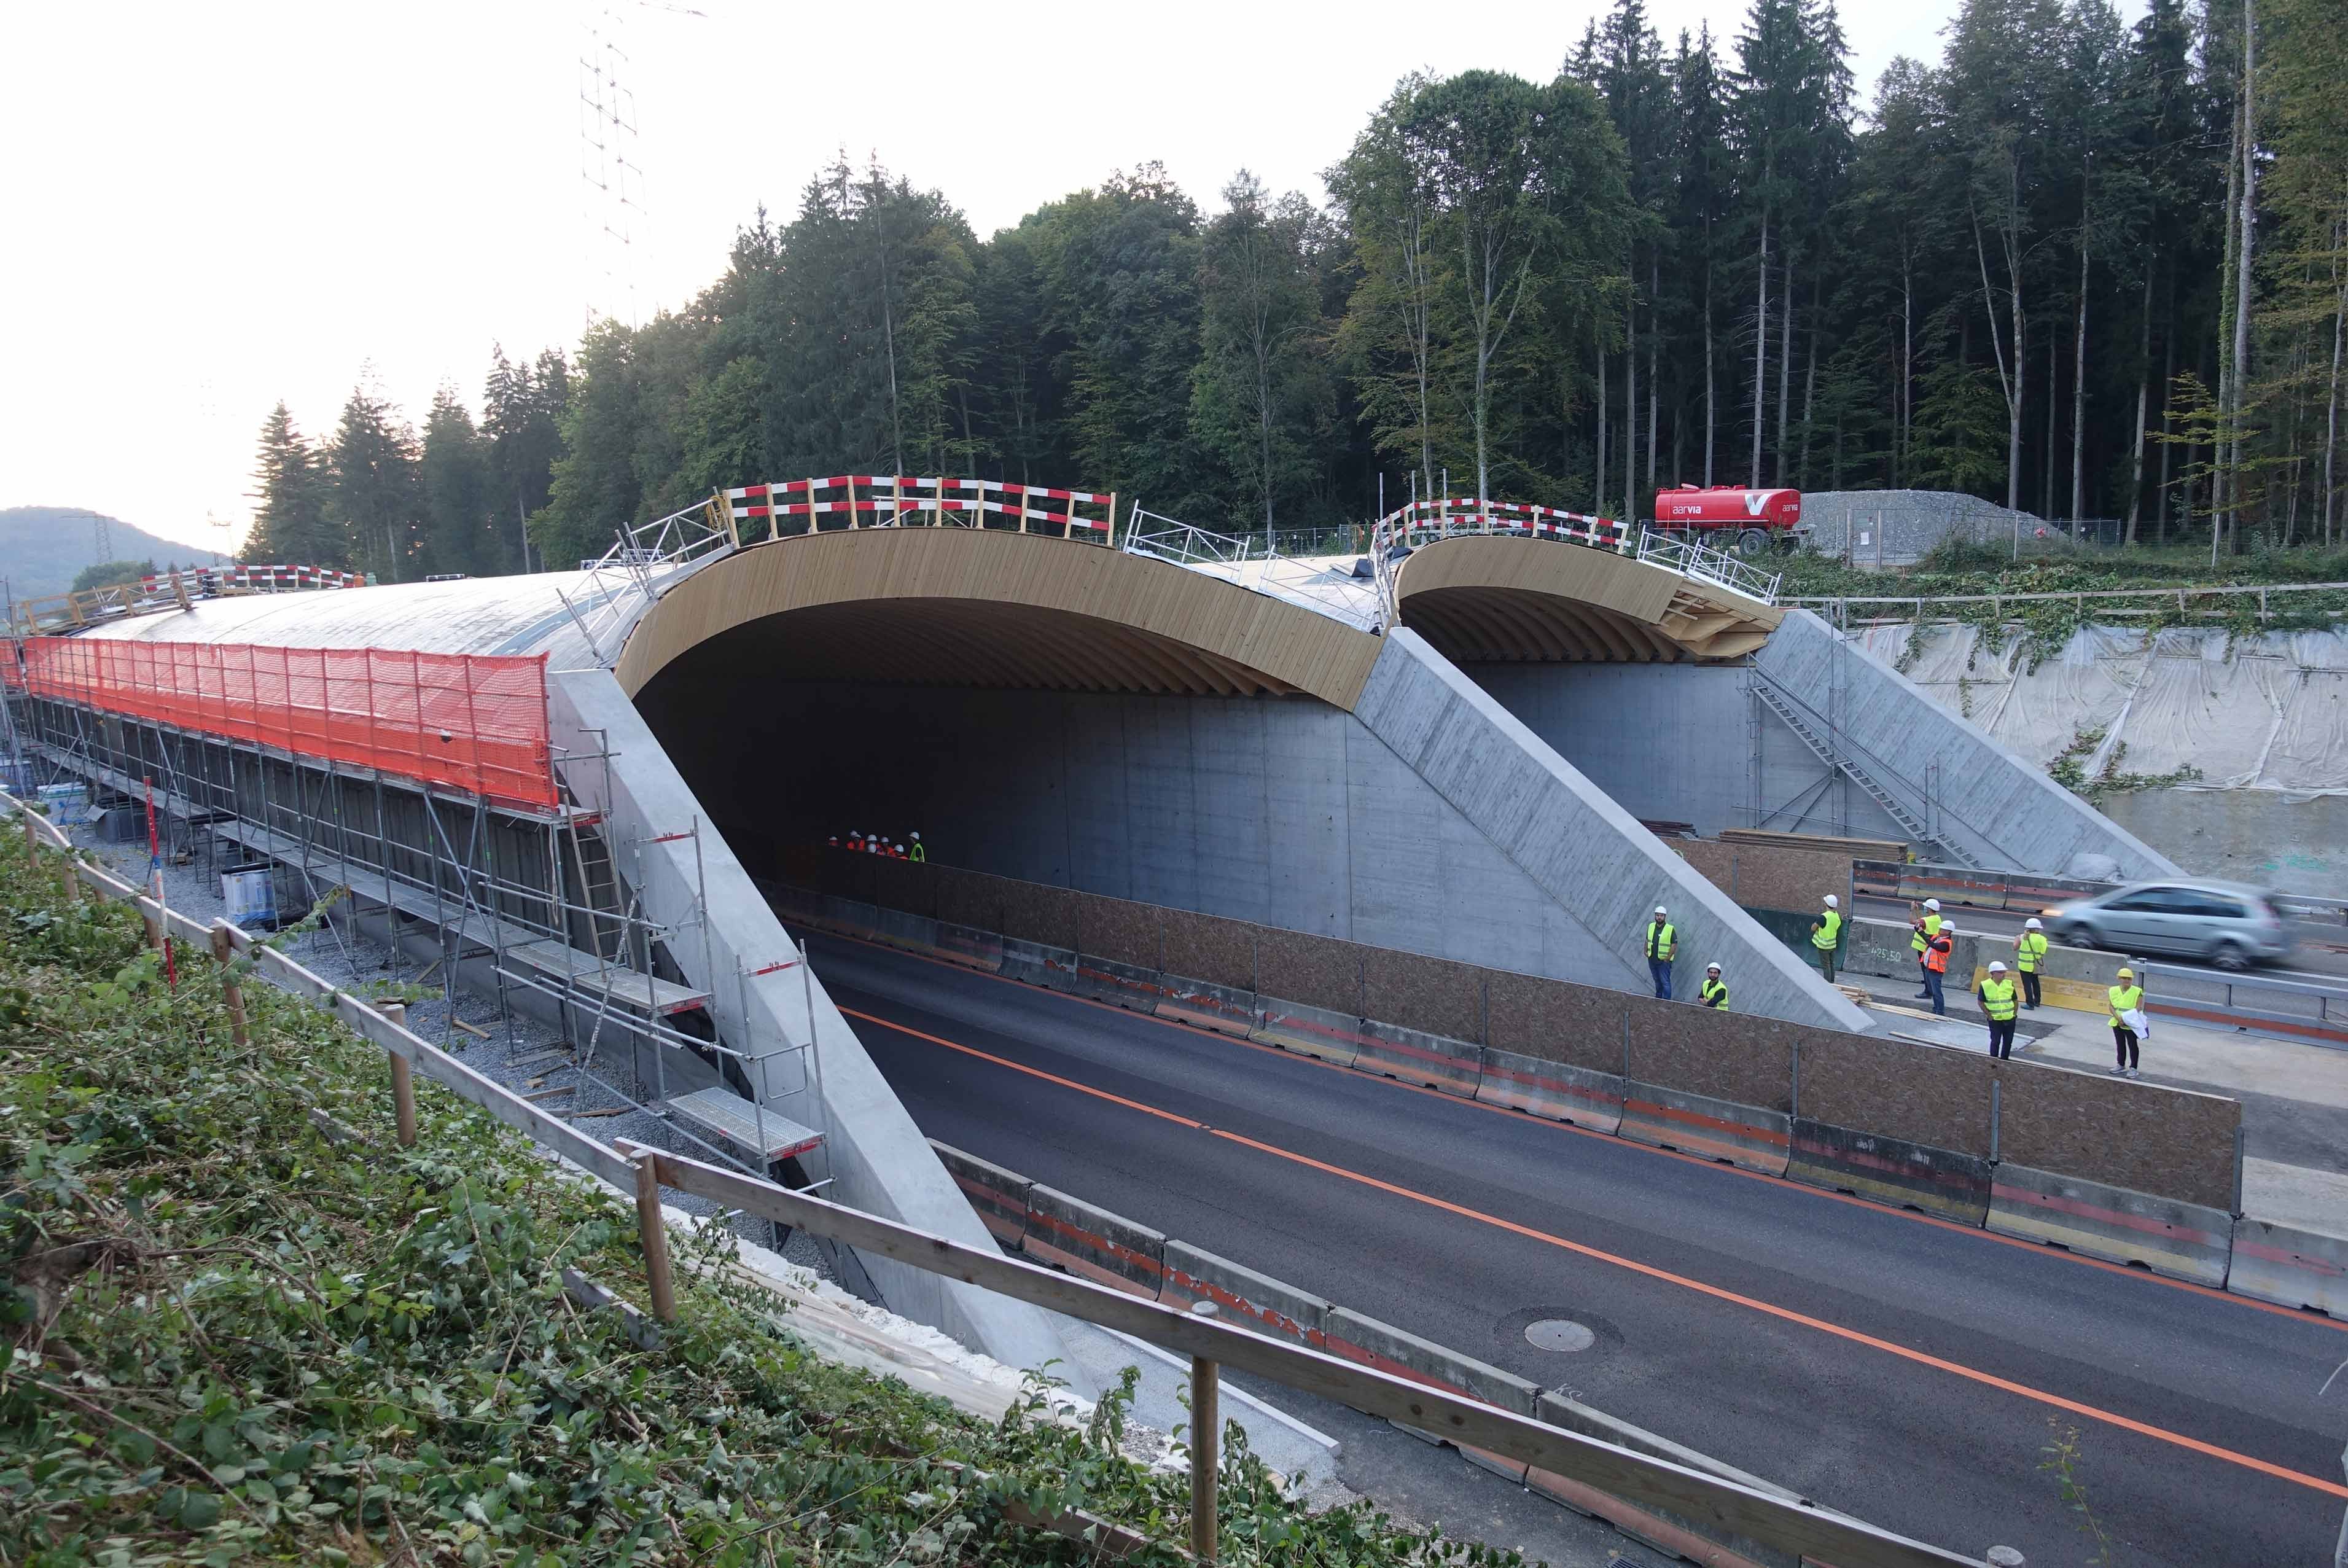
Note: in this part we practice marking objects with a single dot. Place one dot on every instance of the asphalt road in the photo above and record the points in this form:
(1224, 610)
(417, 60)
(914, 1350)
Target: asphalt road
(1910, 1372)
(2321, 957)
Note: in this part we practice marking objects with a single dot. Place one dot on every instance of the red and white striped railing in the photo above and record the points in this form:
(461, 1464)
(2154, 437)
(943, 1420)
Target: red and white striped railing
(897, 501)
(1465, 514)
(270, 578)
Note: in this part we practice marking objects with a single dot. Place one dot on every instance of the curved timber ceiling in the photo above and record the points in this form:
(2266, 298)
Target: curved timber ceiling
(956, 606)
(1484, 598)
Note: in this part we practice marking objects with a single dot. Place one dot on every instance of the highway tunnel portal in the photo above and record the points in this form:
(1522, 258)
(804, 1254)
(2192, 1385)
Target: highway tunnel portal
(1443, 746)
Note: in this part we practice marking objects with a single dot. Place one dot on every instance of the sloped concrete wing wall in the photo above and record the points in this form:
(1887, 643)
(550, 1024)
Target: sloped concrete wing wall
(1987, 801)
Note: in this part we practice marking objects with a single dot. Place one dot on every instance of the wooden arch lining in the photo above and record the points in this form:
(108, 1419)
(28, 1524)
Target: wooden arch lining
(975, 607)
(1487, 598)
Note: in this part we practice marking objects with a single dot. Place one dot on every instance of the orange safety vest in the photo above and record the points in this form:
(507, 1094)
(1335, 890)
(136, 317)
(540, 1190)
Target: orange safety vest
(1936, 954)
(853, 843)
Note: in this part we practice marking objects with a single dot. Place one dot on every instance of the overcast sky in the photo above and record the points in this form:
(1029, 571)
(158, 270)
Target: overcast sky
(212, 207)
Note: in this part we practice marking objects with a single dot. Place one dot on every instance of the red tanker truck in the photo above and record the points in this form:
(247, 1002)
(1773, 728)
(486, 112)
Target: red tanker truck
(1749, 522)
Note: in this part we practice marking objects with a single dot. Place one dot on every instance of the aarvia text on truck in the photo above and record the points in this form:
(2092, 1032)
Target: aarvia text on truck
(1749, 522)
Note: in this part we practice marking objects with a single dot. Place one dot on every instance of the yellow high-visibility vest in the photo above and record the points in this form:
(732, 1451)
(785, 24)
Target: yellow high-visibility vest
(1715, 994)
(1997, 999)
(1830, 931)
(1662, 939)
(1919, 939)
(2029, 952)
(2126, 1000)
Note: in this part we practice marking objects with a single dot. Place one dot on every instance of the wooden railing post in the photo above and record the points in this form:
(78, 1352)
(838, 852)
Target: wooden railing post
(231, 988)
(403, 1080)
(654, 1232)
(1206, 1439)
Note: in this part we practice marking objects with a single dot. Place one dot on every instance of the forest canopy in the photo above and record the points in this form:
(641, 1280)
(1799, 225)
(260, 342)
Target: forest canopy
(2081, 264)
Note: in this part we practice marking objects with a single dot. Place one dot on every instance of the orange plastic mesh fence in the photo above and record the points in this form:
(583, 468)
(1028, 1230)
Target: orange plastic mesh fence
(476, 722)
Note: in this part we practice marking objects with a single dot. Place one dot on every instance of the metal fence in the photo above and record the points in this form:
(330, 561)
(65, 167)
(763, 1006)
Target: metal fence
(1886, 536)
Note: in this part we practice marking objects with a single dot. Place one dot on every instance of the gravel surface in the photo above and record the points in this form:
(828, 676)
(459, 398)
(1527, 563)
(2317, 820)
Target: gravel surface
(523, 1053)
(1900, 525)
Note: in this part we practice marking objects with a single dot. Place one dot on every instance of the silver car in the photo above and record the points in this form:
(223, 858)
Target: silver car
(2228, 924)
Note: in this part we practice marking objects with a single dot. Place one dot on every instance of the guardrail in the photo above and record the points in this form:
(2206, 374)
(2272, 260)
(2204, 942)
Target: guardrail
(1692, 558)
(1793, 1526)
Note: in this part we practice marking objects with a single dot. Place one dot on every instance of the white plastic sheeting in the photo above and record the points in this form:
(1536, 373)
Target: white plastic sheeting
(2266, 713)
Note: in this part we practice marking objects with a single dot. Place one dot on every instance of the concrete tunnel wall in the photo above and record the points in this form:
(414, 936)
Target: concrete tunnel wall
(1429, 821)
(1677, 743)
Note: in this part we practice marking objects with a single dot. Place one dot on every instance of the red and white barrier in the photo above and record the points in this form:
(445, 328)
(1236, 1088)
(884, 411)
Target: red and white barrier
(1419, 521)
(895, 501)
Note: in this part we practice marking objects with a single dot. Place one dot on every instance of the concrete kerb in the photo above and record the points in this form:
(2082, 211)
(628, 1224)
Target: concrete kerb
(1747, 1136)
(1104, 1248)
(2167, 1235)
(1333, 1038)
(1891, 1170)
(1246, 1298)
(1454, 1066)
(1551, 1089)
(2289, 1267)
(1000, 1196)
(1218, 1007)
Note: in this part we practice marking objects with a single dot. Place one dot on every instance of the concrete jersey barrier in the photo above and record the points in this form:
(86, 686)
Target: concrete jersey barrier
(2184, 1240)
(2290, 1267)
(1551, 1089)
(1891, 1171)
(1747, 1136)
(1104, 1248)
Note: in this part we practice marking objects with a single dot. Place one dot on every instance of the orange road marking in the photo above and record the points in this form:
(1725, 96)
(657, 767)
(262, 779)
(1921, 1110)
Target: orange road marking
(1650, 1271)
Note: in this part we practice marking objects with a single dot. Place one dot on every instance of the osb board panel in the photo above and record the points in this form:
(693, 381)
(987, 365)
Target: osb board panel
(1712, 861)
(908, 885)
(1034, 913)
(2121, 1133)
(1318, 971)
(1770, 878)
(888, 570)
(1208, 947)
(1433, 995)
(1727, 1055)
(1117, 930)
(1554, 1020)
(970, 898)
(1900, 1090)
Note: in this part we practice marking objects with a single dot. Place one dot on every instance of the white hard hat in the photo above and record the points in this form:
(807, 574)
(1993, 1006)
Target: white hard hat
(1712, 968)
(917, 835)
(1932, 904)
(1997, 968)
(1659, 909)
(1833, 902)
(2030, 924)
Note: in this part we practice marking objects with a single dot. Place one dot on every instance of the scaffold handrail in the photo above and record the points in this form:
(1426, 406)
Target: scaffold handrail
(1690, 558)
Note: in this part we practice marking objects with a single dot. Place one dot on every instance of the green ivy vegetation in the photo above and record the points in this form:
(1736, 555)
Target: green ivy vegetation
(1955, 569)
(2069, 769)
(225, 1337)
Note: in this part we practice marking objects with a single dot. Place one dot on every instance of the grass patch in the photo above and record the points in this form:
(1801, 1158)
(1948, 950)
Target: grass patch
(224, 1339)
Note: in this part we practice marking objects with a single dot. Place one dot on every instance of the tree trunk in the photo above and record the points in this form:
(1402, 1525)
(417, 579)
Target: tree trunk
(2168, 378)
(1760, 348)
(2143, 379)
(1711, 393)
(1810, 382)
(2229, 275)
(1600, 505)
(1784, 360)
(2243, 273)
(1630, 407)
(1654, 343)
(2079, 382)
(2332, 401)
(1904, 440)
(2046, 453)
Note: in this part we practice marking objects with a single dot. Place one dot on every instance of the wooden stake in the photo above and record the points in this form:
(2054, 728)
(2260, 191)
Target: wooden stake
(653, 1230)
(403, 1080)
(1206, 1437)
(231, 989)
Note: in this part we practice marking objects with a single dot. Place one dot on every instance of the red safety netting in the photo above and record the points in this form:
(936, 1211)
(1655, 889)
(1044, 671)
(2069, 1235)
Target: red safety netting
(475, 722)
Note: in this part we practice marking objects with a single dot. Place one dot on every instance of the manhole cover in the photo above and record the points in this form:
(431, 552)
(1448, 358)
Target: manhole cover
(1558, 1334)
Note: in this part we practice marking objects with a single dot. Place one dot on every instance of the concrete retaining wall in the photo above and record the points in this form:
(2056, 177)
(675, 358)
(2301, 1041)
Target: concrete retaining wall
(2184, 1240)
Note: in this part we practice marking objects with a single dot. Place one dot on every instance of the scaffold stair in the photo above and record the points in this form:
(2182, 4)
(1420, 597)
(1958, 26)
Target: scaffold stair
(1789, 713)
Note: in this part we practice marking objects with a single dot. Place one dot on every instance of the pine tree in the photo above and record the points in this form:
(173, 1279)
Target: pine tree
(289, 518)
(459, 494)
(376, 503)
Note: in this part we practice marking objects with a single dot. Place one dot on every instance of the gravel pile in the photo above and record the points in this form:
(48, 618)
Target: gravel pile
(523, 1053)
(1898, 527)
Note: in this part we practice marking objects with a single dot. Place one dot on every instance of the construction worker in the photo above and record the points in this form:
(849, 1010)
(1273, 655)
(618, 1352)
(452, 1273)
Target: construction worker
(1715, 989)
(1996, 994)
(1826, 935)
(896, 852)
(835, 840)
(872, 844)
(1662, 940)
(2128, 1012)
(1936, 967)
(2030, 958)
(1921, 934)
(855, 841)
(919, 853)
